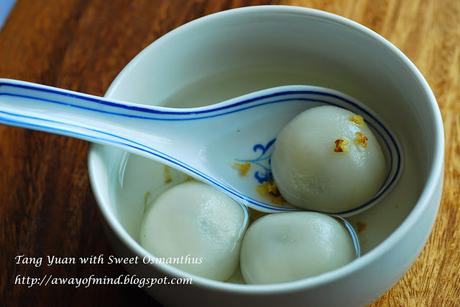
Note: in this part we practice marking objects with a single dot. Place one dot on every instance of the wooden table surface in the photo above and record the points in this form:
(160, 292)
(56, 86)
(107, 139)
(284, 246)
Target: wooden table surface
(46, 205)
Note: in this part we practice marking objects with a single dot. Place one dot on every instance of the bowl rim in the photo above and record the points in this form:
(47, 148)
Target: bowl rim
(430, 187)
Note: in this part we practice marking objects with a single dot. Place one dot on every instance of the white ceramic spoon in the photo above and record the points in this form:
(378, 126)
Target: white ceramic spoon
(203, 142)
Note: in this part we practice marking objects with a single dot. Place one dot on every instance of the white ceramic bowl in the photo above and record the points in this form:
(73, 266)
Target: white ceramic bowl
(237, 51)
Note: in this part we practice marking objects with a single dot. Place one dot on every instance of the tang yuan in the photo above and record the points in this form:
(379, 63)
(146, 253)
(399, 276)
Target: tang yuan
(327, 159)
(195, 221)
(285, 247)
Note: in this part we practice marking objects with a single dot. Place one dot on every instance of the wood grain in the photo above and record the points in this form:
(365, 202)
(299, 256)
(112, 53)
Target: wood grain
(46, 205)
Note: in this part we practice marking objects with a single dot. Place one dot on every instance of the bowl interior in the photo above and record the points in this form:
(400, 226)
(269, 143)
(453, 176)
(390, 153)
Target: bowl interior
(236, 52)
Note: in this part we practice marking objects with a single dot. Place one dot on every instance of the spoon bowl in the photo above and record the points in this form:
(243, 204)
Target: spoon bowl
(203, 142)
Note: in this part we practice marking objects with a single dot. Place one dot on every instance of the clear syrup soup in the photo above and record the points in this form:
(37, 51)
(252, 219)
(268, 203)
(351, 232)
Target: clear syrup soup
(140, 180)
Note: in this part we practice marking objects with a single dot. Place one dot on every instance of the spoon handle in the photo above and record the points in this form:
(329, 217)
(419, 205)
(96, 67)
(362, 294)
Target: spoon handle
(78, 115)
